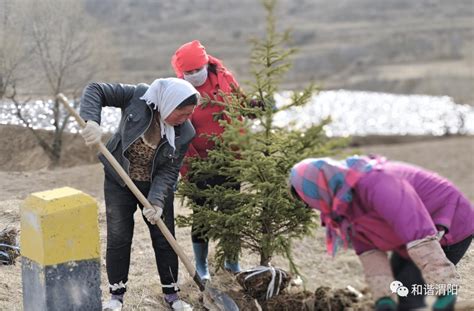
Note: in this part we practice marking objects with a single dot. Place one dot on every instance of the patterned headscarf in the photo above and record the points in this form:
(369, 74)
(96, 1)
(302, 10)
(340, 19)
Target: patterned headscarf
(326, 185)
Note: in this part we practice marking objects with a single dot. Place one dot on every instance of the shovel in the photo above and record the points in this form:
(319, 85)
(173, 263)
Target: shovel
(220, 300)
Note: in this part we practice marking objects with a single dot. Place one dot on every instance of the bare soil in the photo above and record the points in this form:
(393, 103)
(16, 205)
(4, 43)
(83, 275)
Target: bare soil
(451, 157)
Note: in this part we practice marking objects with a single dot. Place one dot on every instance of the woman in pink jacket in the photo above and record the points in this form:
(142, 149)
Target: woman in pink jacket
(380, 206)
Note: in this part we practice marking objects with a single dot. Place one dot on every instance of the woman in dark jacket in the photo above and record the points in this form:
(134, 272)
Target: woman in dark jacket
(150, 144)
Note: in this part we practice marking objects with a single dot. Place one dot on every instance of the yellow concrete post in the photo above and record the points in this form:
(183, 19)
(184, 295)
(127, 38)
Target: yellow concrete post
(60, 251)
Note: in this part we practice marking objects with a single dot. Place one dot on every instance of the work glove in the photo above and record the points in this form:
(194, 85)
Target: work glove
(152, 213)
(385, 304)
(255, 103)
(92, 133)
(445, 303)
(378, 273)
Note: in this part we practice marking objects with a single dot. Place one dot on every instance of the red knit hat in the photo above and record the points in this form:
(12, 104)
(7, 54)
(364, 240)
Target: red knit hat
(189, 56)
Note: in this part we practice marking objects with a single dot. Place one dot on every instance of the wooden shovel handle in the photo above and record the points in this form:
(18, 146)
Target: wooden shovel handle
(131, 185)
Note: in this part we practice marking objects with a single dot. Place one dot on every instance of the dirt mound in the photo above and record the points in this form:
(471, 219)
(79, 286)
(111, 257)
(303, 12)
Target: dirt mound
(303, 301)
(21, 152)
(324, 298)
(329, 299)
(9, 249)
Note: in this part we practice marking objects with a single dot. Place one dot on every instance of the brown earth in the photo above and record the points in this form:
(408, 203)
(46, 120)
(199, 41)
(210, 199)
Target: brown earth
(451, 157)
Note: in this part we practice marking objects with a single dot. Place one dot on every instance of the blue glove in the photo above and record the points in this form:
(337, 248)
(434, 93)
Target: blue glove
(385, 304)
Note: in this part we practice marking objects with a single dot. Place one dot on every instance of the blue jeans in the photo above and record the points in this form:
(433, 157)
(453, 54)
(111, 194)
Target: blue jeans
(120, 205)
(405, 271)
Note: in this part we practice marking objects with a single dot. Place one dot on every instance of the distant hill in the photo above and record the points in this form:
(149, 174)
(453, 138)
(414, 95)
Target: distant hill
(397, 46)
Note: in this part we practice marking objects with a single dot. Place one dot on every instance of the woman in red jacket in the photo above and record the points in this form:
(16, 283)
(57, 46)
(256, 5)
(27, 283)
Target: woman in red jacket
(209, 76)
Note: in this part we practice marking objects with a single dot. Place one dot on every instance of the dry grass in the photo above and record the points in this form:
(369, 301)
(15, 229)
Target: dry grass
(450, 157)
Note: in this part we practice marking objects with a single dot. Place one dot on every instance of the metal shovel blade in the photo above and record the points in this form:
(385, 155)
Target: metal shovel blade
(216, 300)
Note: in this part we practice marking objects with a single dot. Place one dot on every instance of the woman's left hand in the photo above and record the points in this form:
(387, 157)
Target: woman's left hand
(152, 213)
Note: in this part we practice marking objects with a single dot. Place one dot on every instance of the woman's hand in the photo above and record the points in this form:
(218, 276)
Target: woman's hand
(152, 213)
(92, 133)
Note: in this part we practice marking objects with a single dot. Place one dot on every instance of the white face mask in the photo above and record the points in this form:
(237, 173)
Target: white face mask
(197, 78)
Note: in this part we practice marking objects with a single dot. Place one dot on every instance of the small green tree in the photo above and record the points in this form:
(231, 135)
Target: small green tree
(261, 216)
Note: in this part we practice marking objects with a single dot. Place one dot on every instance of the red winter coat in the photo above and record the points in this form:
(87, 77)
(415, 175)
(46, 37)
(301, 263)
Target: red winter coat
(203, 116)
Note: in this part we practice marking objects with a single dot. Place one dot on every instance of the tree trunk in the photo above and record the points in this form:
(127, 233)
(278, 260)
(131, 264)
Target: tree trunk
(265, 259)
(55, 155)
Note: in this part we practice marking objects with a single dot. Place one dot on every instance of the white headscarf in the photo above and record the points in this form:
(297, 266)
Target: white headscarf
(164, 95)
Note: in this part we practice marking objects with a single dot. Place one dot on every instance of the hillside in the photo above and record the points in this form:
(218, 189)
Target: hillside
(396, 46)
